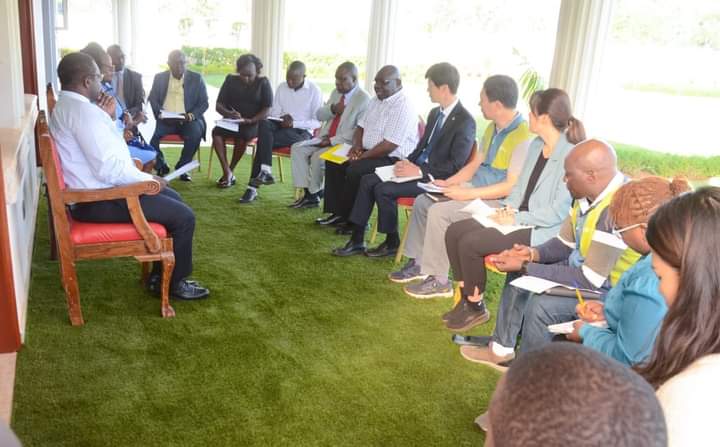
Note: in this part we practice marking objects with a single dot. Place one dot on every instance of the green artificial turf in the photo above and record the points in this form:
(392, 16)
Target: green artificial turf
(293, 347)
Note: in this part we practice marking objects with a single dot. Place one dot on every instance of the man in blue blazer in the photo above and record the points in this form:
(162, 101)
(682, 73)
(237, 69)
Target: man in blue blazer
(185, 93)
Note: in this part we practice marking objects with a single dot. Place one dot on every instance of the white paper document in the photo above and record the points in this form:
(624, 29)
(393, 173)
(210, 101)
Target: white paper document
(165, 115)
(229, 124)
(487, 222)
(182, 170)
(274, 118)
(431, 187)
(569, 326)
(387, 174)
(534, 284)
(310, 142)
(478, 207)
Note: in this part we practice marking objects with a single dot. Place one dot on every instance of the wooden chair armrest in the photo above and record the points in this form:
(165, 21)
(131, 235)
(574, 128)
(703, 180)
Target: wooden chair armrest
(152, 241)
(150, 187)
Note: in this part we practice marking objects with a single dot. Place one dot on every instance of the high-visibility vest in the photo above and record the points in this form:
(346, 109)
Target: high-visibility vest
(512, 140)
(628, 257)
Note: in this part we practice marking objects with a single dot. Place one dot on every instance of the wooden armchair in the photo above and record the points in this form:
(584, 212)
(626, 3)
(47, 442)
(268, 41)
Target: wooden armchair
(146, 242)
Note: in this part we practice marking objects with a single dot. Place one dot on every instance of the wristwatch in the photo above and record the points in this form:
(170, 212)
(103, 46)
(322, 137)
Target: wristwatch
(523, 267)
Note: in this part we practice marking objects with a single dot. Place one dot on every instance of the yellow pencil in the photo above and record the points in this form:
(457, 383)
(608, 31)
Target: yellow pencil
(579, 297)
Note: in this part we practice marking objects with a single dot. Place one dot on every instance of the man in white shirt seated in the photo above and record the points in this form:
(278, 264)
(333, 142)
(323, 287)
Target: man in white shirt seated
(294, 106)
(94, 156)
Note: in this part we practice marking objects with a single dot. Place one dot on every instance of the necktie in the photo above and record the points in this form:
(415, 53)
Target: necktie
(120, 90)
(433, 137)
(336, 121)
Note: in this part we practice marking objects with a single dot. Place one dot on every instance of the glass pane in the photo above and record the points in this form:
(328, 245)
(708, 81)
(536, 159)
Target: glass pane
(660, 71)
(323, 35)
(479, 37)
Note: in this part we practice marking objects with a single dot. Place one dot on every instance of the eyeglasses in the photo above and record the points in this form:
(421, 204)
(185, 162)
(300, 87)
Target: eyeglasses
(618, 232)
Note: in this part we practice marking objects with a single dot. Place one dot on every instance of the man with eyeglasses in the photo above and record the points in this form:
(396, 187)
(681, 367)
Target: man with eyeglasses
(94, 155)
(387, 133)
(585, 255)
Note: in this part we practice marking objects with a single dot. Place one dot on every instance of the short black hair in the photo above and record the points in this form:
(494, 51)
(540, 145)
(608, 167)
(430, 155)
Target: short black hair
(95, 51)
(502, 88)
(74, 68)
(247, 59)
(444, 74)
(568, 394)
(350, 67)
(296, 66)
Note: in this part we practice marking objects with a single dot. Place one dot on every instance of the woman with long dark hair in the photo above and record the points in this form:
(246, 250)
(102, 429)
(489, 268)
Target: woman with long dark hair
(684, 236)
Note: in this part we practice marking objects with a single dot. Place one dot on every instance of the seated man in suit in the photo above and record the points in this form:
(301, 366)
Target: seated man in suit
(181, 91)
(295, 104)
(442, 151)
(128, 85)
(340, 115)
(94, 156)
(490, 174)
(385, 134)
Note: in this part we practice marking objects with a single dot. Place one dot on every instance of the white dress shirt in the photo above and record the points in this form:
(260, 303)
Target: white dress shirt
(392, 119)
(301, 104)
(92, 153)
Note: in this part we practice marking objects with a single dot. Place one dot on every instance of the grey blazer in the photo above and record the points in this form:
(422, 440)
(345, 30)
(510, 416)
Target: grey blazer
(550, 201)
(349, 119)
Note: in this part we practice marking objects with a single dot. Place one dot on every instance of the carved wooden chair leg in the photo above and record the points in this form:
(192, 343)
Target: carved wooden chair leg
(51, 231)
(72, 292)
(168, 261)
(144, 272)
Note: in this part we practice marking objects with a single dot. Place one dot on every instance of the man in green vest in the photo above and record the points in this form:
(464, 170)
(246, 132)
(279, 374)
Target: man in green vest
(585, 255)
(490, 173)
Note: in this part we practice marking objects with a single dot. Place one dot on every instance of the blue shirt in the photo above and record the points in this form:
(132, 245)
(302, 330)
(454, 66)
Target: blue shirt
(486, 174)
(634, 310)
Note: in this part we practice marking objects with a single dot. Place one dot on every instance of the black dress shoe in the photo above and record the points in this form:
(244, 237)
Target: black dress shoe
(350, 249)
(185, 178)
(264, 178)
(189, 290)
(344, 228)
(163, 170)
(332, 219)
(381, 251)
(249, 196)
(308, 202)
(297, 202)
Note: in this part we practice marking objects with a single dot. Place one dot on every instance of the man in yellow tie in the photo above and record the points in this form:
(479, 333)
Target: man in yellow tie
(182, 96)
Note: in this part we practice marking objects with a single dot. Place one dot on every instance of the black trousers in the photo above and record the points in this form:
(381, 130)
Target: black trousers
(165, 208)
(371, 191)
(192, 132)
(270, 136)
(342, 183)
(468, 242)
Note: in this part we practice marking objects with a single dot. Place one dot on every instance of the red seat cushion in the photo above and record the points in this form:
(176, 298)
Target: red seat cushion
(172, 138)
(406, 201)
(94, 233)
(283, 151)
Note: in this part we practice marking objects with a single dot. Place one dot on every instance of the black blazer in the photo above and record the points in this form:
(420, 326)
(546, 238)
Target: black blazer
(195, 92)
(452, 146)
(133, 91)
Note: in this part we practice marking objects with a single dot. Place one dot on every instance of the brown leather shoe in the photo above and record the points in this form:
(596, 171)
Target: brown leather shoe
(467, 316)
(485, 355)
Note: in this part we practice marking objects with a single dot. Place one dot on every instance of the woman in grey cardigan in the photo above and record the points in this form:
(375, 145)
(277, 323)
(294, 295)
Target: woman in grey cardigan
(539, 200)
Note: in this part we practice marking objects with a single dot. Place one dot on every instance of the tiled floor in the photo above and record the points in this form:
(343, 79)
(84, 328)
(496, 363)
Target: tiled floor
(7, 382)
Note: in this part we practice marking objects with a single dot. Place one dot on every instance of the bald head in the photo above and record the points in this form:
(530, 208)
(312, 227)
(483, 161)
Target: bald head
(177, 62)
(387, 82)
(589, 168)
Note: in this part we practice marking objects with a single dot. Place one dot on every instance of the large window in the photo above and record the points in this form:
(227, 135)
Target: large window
(325, 33)
(660, 87)
(479, 37)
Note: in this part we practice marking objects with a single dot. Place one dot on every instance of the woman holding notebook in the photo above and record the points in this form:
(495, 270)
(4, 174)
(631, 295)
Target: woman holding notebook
(244, 99)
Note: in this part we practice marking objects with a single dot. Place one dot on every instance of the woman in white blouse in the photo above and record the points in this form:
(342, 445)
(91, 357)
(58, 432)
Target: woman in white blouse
(684, 367)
